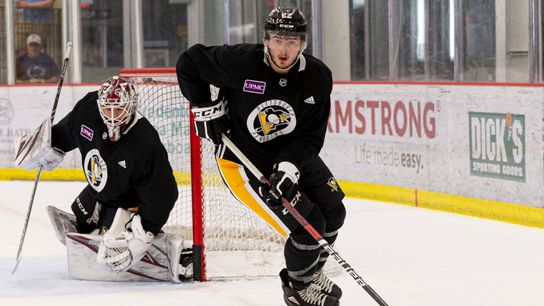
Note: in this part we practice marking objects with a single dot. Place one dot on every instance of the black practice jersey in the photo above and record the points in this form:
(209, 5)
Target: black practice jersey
(274, 117)
(131, 172)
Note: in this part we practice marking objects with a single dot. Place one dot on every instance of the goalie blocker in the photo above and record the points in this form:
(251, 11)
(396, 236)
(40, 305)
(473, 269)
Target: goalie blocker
(165, 259)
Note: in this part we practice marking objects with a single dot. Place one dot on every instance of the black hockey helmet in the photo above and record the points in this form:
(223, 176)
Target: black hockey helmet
(286, 21)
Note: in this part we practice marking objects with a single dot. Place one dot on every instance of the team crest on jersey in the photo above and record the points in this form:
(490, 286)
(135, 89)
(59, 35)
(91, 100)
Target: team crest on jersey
(96, 170)
(333, 184)
(271, 119)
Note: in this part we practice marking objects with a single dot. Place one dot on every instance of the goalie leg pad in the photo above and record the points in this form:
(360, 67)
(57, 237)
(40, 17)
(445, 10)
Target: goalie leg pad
(186, 272)
(62, 222)
(161, 262)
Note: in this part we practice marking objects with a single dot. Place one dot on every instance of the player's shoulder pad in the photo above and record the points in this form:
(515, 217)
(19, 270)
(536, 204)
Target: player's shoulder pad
(319, 76)
(146, 132)
(87, 102)
(244, 55)
(90, 97)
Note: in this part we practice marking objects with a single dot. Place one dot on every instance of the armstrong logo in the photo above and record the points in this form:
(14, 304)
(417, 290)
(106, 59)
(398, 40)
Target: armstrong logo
(96, 170)
(271, 119)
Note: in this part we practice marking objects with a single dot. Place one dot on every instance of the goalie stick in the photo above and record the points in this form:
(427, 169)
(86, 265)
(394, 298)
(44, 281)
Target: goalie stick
(53, 111)
(309, 228)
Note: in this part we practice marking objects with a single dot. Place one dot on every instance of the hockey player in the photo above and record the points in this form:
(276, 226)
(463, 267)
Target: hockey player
(274, 105)
(125, 165)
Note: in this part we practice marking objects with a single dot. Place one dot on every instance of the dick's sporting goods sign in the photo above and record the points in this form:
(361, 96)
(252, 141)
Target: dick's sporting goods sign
(497, 145)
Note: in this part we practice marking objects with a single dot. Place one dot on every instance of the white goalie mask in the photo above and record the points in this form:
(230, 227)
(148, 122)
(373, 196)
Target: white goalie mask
(117, 103)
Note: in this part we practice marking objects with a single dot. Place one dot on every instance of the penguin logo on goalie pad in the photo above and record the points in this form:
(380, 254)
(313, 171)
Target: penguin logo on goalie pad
(96, 170)
(271, 119)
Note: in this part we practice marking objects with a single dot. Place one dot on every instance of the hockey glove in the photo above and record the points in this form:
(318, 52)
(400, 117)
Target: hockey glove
(122, 251)
(34, 150)
(211, 120)
(283, 184)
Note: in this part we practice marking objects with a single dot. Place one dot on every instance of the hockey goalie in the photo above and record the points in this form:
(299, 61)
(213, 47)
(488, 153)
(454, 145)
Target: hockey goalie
(114, 233)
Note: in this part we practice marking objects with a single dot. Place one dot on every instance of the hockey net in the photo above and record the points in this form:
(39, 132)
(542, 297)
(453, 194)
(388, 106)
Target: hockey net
(228, 238)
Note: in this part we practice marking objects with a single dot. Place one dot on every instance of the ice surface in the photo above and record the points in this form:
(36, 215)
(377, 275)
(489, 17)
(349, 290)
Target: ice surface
(410, 256)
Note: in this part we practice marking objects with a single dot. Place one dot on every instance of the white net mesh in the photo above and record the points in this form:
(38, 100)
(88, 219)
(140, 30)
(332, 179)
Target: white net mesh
(237, 242)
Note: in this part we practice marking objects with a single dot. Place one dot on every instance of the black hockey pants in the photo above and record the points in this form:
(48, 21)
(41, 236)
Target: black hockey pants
(321, 204)
(90, 214)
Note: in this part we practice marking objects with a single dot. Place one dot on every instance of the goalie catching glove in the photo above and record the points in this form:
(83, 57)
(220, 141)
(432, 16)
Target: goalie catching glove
(34, 150)
(121, 250)
(211, 120)
(283, 184)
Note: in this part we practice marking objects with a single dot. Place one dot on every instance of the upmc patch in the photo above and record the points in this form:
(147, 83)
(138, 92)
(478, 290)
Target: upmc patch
(86, 132)
(256, 87)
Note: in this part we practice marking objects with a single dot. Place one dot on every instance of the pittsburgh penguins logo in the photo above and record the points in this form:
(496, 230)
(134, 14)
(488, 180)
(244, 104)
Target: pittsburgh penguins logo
(333, 184)
(96, 170)
(271, 119)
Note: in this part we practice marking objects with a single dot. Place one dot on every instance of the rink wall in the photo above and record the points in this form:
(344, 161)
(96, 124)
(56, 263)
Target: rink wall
(475, 149)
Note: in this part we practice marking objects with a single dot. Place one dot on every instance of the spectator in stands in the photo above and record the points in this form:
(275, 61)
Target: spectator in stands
(480, 44)
(37, 10)
(36, 66)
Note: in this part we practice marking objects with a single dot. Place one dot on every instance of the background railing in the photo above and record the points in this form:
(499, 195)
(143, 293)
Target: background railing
(379, 40)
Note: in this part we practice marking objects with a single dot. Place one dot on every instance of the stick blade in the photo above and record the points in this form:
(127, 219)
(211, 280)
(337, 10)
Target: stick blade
(17, 261)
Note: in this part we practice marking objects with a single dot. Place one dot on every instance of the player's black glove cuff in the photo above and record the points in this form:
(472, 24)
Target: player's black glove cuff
(211, 121)
(283, 184)
(264, 191)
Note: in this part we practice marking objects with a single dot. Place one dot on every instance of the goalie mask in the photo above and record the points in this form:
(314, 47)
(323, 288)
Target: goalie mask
(117, 102)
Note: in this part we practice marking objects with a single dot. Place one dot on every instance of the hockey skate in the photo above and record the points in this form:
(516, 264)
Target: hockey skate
(62, 222)
(309, 296)
(326, 285)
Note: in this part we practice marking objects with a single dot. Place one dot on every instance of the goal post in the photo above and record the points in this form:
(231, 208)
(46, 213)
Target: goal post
(228, 239)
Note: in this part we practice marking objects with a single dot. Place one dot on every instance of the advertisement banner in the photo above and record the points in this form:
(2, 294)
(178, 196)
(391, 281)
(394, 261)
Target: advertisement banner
(475, 141)
(497, 145)
(384, 135)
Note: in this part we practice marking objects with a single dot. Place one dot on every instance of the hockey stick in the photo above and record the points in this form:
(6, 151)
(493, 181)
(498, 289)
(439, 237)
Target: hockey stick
(309, 228)
(53, 111)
